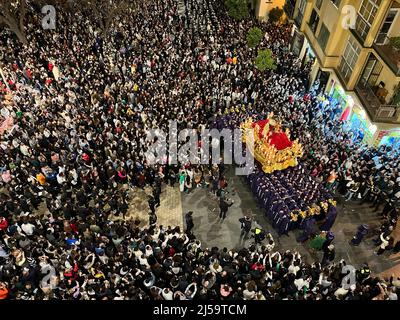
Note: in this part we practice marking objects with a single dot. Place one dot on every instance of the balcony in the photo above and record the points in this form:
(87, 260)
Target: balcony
(389, 54)
(375, 104)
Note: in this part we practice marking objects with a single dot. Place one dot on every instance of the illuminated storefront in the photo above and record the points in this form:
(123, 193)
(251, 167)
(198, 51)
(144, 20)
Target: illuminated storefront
(339, 96)
(361, 126)
(354, 116)
(389, 138)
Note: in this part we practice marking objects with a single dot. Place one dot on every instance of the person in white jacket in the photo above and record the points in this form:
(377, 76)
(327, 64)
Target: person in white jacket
(384, 244)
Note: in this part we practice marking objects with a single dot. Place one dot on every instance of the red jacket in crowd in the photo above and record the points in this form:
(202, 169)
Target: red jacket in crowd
(3, 223)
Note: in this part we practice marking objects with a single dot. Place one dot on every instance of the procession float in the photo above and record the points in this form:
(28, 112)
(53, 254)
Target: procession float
(272, 146)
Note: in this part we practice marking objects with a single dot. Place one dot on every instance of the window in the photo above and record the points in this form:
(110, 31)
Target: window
(371, 72)
(289, 7)
(336, 3)
(366, 16)
(323, 37)
(314, 20)
(349, 58)
(302, 6)
(318, 4)
(387, 25)
(300, 14)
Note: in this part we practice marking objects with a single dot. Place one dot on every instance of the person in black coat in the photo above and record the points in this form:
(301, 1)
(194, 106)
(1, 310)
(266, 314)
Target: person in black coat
(156, 194)
(152, 219)
(396, 248)
(359, 236)
(329, 255)
(171, 177)
(223, 207)
(152, 205)
(245, 226)
(259, 235)
(189, 221)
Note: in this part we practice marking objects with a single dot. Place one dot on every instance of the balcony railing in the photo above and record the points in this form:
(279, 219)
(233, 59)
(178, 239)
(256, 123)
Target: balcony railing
(377, 108)
(389, 54)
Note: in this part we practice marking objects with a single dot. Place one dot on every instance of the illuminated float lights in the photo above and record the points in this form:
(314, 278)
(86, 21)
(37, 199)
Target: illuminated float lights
(272, 147)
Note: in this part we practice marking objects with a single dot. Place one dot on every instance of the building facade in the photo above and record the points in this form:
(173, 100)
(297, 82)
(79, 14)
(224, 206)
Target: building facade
(261, 8)
(356, 47)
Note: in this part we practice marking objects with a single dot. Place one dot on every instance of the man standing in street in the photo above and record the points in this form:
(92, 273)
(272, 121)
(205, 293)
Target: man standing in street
(152, 219)
(152, 205)
(259, 235)
(245, 226)
(329, 255)
(189, 221)
(156, 194)
(223, 207)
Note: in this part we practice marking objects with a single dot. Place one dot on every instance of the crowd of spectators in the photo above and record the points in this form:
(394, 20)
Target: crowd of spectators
(75, 118)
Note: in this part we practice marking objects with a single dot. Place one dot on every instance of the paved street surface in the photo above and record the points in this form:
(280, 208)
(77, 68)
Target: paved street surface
(212, 232)
(169, 212)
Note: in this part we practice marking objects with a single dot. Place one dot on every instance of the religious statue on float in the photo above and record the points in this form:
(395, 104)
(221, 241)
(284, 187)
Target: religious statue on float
(273, 148)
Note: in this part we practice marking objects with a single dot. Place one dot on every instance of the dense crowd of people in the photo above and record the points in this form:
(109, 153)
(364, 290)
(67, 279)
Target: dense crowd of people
(75, 119)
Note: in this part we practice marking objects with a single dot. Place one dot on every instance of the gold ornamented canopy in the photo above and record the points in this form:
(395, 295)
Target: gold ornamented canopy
(272, 147)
